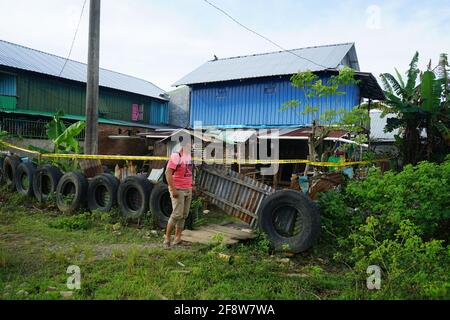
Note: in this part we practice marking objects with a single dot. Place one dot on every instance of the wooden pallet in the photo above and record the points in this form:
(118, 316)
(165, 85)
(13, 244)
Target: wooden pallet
(231, 234)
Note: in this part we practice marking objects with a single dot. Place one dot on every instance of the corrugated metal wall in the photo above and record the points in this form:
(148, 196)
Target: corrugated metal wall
(41, 93)
(159, 113)
(258, 103)
(8, 91)
(7, 85)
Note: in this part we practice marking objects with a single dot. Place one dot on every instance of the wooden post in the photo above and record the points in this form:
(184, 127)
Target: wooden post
(91, 140)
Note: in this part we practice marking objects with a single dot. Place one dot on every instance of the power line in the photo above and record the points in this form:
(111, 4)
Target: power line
(74, 38)
(262, 36)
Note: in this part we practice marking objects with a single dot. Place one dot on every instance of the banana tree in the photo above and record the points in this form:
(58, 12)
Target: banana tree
(419, 103)
(435, 104)
(403, 102)
(64, 140)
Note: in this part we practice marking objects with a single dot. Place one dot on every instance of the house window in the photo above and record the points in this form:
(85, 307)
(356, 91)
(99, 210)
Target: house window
(137, 112)
(221, 93)
(270, 89)
(8, 91)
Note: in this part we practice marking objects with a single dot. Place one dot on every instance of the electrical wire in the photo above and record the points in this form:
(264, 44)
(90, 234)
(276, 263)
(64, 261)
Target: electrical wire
(262, 36)
(74, 38)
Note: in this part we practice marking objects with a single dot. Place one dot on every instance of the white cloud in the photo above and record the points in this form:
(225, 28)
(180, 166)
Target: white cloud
(161, 41)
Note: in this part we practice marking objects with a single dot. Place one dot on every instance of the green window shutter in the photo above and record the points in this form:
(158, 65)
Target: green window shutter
(8, 103)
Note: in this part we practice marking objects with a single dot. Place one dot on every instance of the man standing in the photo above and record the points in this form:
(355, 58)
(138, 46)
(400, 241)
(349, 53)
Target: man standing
(179, 179)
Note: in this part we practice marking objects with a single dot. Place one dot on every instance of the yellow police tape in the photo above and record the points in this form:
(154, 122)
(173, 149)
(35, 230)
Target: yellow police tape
(208, 161)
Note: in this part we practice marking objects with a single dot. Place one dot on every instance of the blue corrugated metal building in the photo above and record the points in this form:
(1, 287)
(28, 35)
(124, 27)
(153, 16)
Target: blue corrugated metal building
(249, 91)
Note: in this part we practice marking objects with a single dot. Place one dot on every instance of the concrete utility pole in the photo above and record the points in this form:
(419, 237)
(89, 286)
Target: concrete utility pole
(91, 140)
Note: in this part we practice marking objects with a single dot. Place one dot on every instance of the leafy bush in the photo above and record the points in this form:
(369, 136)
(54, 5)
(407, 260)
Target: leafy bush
(420, 194)
(411, 267)
(82, 221)
(398, 221)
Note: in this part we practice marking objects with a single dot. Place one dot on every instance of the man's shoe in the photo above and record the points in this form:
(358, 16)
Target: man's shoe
(177, 242)
(166, 243)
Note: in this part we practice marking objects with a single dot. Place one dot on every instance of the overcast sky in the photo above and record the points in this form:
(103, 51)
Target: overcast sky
(161, 41)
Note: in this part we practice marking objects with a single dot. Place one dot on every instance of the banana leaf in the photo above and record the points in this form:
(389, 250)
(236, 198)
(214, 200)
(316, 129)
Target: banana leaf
(56, 127)
(67, 140)
(431, 91)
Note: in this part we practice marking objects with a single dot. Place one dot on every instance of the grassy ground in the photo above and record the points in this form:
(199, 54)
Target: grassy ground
(128, 262)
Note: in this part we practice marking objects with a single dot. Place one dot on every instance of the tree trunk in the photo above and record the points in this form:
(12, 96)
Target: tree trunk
(412, 143)
(311, 147)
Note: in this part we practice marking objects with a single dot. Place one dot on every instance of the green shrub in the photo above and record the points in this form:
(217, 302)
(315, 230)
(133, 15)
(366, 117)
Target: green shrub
(82, 221)
(337, 218)
(411, 268)
(420, 194)
(398, 221)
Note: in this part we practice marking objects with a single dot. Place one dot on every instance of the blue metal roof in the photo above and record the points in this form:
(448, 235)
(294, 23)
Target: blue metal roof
(274, 64)
(20, 57)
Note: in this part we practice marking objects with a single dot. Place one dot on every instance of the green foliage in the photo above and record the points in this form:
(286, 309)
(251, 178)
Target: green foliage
(416, 193)
(316, 87)
(326, 121)
(411, 267)
(337, 218)
(76, 222)
(419, 107)
(67, 140)
(109, 221)
(56, 127)
(64, 140)
(398, 221)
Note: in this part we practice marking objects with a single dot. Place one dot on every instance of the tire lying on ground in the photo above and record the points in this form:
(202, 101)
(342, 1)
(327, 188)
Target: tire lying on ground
(10, 164)
(24, 178)
(133, 197)
(45, 181)
(290, 220)
(102, 192)
(71, 192)
(161, 207)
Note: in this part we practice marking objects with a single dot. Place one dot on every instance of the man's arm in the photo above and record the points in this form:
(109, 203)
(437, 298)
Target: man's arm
(169, 178)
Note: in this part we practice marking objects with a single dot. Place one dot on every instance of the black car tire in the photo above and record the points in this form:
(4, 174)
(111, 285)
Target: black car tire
(133, 197)
(49, 177)
(102, 192)
(290, 220)
(75, 186)
(24, 178)
(10, 164)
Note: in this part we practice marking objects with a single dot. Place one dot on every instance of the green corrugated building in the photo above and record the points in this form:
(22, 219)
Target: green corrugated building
(38, 83)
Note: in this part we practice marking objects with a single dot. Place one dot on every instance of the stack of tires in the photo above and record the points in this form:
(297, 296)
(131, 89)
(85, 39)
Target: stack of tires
(135, 196)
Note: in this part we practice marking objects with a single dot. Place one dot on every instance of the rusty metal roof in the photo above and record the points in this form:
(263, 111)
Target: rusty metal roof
(305, 132)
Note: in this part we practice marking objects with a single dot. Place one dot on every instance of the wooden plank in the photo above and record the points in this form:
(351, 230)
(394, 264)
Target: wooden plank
(206, 234)
(234, 179)
(233, 232)
(226, 231)
(215, 197)
(205, 239)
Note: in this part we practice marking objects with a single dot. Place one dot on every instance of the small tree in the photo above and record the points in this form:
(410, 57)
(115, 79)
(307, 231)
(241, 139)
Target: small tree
(64, 140)
(337, 118)
(419, 103)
